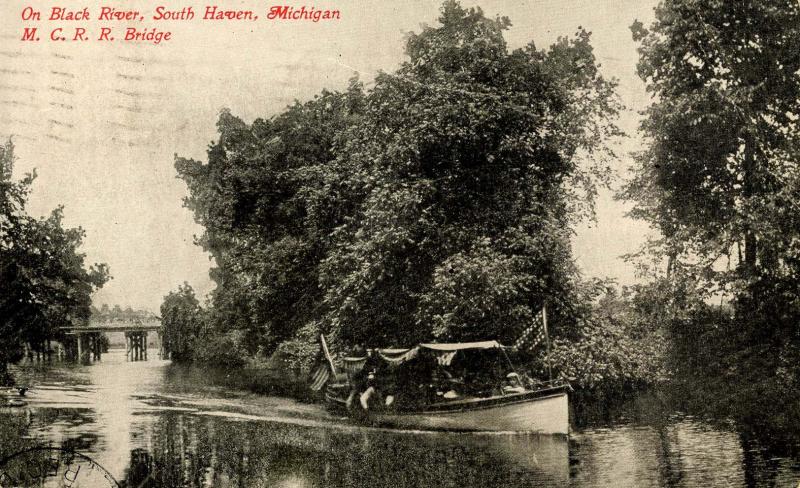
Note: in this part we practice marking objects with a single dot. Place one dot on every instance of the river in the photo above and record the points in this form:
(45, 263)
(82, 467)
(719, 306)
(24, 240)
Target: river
(157, 424)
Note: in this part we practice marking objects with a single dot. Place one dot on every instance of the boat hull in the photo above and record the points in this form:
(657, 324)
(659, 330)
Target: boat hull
(543, 413)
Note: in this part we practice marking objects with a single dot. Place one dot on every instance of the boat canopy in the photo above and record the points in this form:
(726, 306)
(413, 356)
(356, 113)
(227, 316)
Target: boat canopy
(445, 352)
(460, 346)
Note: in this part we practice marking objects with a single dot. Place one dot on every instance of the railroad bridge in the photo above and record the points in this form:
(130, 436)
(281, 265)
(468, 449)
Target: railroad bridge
(87, 345)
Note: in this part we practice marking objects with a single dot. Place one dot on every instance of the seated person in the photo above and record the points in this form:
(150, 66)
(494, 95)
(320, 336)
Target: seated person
(512, 384)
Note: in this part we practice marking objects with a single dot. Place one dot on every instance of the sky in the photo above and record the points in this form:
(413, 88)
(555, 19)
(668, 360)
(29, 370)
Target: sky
(101, 122)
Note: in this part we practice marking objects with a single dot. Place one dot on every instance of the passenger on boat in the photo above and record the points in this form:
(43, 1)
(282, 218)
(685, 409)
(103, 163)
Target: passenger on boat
(512, 384)
(485, 380)
(358, 381)
(408, 385)
(445, 383)
(365, 384)
(370, 391)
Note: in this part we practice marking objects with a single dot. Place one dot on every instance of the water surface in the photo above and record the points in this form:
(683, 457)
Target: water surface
(156, 424)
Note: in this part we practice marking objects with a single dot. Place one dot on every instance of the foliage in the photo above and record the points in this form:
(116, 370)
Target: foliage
(228, 348)
(720, 371)
(181, 318)
(469, 158)
(268, 210)
(44, 284)
(300, 351)
(719, 180)
(437, 205)
(719, 177)
(620, 344)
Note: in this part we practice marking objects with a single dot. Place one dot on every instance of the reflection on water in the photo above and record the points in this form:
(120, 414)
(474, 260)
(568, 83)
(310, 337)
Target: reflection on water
(209, 451)
(154, 424)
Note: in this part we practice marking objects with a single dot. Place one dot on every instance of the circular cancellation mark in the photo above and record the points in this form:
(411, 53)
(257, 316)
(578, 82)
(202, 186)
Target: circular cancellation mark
(50, 466)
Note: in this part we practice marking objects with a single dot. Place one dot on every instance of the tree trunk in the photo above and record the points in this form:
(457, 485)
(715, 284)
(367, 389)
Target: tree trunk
(748, 191)
(670, 263)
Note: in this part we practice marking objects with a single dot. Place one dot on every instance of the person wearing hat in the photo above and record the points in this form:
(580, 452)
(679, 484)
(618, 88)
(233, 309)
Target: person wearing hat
(512, 384)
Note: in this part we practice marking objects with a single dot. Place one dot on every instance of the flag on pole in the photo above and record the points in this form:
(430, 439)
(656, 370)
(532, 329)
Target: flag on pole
(533, 334)
(325, 367)
(321, 376)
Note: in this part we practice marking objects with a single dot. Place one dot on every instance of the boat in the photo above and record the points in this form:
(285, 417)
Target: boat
(452, 401)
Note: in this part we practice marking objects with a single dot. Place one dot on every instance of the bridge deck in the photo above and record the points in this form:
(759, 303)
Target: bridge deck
(113, 328)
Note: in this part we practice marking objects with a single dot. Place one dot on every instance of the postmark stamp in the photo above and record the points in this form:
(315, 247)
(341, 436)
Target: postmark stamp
(51, 466)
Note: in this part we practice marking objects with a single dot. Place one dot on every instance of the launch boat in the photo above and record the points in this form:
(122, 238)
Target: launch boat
(457, 386)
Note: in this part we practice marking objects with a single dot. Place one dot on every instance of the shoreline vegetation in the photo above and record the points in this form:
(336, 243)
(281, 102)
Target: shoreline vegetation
(435, 206)
(438, 204)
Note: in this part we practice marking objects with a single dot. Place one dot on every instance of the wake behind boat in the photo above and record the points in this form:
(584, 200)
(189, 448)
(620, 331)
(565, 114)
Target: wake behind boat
(456, 386)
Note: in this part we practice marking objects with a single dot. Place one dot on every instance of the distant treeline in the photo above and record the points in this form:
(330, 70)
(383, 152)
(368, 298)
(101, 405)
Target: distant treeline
(118, 314)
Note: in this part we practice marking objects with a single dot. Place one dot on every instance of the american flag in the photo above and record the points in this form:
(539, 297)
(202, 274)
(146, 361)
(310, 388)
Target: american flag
(320, 376)
(325, 368)
(533, 334)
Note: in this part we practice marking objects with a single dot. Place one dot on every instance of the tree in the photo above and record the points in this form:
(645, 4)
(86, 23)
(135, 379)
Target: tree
(436, 205)
(268, 199)
(44, 284)
(617, 347)
(472, 160)
(719, 177)
(181, 320)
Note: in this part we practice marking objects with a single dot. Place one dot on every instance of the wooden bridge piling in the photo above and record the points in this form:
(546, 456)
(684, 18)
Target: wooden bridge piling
(87, 339)
(136, 345)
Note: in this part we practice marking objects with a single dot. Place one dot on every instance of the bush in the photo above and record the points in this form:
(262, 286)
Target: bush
(224, 349)
(618, 345)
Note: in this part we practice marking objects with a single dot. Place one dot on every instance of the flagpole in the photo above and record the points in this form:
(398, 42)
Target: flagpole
(547, 341)
(327, 354)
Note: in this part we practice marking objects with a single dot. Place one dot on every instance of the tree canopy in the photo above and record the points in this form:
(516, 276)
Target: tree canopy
(437, 204)
(469, 159)
(719, 176)
(719, 180)
(44, 283)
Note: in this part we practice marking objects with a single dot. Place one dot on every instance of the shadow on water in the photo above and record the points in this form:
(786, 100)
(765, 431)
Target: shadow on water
(642, 439)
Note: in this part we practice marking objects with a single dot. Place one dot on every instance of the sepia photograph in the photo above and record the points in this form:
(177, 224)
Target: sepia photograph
(421, 243)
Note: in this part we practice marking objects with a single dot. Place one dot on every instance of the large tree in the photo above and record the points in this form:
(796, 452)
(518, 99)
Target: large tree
(44, 283)
(473, 159)
(437, 204)
(268, 208)
(719, 180)
(719, 176)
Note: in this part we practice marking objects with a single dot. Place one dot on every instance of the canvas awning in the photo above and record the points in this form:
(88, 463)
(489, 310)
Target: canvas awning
(398, 356)
(445, 352)
(460, 346)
